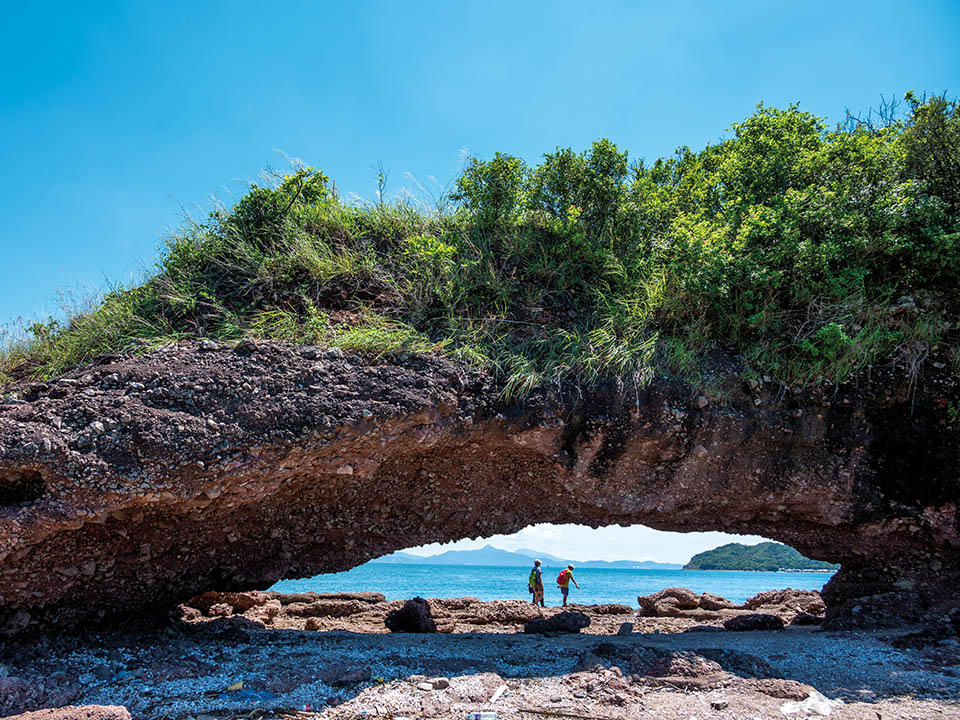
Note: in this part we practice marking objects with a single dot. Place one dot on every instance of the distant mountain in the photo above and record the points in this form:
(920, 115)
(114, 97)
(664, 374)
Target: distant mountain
(613, 564)
(489, 555)
(544, 557)
(399, 557)
(769, 556)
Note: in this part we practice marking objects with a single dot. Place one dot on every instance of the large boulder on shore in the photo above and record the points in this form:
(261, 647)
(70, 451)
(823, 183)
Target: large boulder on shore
(681, 602)
(413, 617)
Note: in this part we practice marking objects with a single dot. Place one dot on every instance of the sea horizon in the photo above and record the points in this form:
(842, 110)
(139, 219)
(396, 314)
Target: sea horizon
(598, 585)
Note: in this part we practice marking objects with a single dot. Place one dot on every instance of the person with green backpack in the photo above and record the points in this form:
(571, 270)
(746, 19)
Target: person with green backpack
(535, 583)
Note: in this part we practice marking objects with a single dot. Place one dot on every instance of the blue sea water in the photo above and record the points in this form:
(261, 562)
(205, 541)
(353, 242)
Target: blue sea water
(398, 581)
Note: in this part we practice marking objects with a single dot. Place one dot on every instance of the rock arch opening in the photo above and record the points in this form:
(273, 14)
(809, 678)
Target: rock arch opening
(613, 565)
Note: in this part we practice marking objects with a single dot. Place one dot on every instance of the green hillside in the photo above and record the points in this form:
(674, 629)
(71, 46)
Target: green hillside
(811, 252)
(769, 556)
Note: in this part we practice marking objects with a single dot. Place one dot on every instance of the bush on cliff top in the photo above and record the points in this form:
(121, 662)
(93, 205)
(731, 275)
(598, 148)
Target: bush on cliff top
(810, 252)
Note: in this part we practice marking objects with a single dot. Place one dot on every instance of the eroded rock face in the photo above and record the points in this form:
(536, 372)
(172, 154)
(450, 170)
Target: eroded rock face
(136, 484)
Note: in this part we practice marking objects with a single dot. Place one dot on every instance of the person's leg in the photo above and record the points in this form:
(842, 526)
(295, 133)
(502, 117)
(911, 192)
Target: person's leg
(564, 591)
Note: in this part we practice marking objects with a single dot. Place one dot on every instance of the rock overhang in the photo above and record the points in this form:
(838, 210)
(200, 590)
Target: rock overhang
(135, 484)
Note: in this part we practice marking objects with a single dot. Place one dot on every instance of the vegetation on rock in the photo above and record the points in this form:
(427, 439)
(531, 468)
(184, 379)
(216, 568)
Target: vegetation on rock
(811, 253)
(769, 556)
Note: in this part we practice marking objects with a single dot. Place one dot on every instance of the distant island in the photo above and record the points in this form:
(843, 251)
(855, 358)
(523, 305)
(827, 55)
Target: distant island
(768, 556)
(491, 556)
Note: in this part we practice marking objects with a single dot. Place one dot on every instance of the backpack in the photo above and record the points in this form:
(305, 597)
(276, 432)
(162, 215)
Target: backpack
(561, 576)
(532, 580)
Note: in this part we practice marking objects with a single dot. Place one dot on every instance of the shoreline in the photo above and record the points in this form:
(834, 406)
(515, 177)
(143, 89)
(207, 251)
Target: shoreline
(346, 664)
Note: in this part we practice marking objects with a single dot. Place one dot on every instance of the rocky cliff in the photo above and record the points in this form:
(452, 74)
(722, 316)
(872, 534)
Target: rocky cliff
(137, 483)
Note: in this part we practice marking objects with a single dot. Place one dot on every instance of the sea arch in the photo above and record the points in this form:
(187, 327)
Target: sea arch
(132, 485)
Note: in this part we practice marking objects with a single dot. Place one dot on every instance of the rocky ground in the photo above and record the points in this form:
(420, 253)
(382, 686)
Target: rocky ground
(251, 655)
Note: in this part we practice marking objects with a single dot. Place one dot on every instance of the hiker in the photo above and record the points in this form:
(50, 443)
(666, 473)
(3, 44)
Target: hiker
(563, 581)
(535, 583)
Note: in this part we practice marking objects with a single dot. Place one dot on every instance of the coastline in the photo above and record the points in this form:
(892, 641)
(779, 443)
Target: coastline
(348, 665)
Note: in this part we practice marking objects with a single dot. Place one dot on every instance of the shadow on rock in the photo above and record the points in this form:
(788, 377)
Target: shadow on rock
(565, 622)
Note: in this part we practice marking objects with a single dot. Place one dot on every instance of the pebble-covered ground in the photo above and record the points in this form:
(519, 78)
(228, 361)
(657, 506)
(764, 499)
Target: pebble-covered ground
(187, 670)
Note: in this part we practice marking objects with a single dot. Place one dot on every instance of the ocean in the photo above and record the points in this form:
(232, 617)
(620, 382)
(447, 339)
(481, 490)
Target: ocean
(398, 581)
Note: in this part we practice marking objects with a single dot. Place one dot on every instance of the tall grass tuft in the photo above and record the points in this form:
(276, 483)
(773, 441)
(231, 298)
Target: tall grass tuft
(812, 253)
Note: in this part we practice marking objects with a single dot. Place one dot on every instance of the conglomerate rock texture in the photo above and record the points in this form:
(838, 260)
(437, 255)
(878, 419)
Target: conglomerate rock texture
(132, 485)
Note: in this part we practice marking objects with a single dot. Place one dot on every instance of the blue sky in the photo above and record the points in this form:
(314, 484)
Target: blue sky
(117, 117)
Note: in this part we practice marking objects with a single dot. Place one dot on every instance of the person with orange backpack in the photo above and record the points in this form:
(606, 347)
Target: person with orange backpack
(563, 581)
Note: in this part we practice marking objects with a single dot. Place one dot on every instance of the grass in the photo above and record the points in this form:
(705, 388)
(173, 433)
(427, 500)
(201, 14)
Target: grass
(844, 256)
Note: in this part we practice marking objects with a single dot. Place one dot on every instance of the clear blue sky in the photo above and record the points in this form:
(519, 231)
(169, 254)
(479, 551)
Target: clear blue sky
(114, 116)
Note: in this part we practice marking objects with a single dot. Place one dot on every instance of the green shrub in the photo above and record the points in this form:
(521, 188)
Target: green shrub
(812, 253)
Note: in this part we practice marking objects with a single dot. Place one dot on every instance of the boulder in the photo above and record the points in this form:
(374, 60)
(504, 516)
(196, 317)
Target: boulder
(754, 621)
(787, 602)
(709, 601)
(625, 628)
(681, 602)
(474, 612)
(413, 617)
(805, 618)
(567, 621)
(342, 674)
(326, 608)
(780, 688)
(236, 602)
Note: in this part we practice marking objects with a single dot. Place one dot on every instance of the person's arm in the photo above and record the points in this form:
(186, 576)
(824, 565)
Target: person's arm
(574, 581)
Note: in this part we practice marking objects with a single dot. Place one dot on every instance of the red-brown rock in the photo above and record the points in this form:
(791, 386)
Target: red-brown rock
(132, 485)
(76, 712)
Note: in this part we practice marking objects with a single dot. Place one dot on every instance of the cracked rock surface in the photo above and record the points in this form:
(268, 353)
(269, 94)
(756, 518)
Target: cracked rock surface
(135, 484)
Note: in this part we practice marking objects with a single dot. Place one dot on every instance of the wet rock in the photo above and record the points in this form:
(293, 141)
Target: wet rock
(341, 674)
(753, 621)
(563, 622)
(413, 617)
